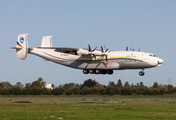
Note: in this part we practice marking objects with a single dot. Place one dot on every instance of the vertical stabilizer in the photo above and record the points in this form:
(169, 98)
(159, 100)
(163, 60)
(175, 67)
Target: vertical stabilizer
(46, 41)
(22, 46)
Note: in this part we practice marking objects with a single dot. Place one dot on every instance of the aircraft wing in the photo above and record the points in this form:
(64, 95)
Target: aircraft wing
(66, 50)
(75, 51)
(62, 49)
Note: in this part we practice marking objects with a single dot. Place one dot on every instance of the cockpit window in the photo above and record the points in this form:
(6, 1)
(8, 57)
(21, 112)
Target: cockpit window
(152, 55)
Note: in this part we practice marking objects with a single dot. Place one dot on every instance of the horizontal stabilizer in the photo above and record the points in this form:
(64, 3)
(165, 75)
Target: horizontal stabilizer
(17, 48)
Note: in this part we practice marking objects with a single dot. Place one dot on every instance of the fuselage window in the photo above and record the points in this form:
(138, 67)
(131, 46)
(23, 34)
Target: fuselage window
(152, 55)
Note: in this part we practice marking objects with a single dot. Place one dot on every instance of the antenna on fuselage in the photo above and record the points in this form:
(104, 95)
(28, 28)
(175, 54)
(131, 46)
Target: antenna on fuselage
(139, 50)
(126, 48)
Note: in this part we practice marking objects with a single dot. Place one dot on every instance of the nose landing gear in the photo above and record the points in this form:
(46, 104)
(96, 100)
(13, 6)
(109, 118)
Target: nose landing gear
(142, 73)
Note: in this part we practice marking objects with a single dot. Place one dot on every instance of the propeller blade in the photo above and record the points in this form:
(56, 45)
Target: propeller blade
(94, 49)
(94, 56)
(106, 50)
(102, 49)
(106, 58)
(89, 48)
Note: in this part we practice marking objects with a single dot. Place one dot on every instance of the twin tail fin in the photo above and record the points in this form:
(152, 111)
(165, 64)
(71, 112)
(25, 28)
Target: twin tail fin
(21, 46)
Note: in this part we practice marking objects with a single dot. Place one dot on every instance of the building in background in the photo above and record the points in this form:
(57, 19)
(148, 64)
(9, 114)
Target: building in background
(49, 86)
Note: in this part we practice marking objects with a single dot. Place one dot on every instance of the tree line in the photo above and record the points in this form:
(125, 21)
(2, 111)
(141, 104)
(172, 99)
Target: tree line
(89, 87)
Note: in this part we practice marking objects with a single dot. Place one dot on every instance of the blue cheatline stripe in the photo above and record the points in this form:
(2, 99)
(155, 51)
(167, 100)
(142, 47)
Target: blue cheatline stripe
(121, 58)
(128, 59)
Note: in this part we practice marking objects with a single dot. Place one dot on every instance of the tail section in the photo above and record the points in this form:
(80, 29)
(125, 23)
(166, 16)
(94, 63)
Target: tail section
(22, 46)
(46, 41)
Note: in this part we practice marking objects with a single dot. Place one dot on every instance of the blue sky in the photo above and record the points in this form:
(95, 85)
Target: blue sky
(150, 25)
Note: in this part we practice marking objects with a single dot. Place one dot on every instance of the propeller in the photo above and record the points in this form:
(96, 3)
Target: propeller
(90, 50)
(104, 53)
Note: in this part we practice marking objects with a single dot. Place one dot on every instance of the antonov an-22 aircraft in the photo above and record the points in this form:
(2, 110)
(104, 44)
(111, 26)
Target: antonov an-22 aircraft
(92, 61)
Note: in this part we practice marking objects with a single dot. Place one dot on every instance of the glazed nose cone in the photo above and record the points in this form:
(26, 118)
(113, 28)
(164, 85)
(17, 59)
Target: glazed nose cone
(160, 61)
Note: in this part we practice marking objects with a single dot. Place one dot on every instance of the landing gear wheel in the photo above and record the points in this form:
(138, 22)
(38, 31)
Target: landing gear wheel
(141, 73)
(97, 71)
(109, 72)
(85, 71)
(103, 72)
(91, 71)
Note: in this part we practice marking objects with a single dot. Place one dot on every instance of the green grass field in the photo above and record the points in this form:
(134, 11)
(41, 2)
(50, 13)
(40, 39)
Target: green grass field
(88, 107)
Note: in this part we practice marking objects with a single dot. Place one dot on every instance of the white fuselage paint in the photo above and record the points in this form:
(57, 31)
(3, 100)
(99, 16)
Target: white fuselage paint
(116, 59)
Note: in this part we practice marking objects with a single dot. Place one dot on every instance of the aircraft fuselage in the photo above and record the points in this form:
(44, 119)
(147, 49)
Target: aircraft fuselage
(116, 59)
(92, 61)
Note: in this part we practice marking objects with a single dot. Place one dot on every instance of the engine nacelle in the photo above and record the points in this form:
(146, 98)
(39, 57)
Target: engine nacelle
(86, 52)
(82, 52)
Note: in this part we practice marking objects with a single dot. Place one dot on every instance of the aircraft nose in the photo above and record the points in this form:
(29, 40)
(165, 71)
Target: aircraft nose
(160, 61)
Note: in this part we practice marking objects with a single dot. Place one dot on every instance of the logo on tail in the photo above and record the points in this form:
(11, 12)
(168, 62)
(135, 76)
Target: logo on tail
(21, 40)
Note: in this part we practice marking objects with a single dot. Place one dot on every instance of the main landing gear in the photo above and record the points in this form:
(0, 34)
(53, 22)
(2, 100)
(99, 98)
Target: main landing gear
(103, 72)
(142, 73)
